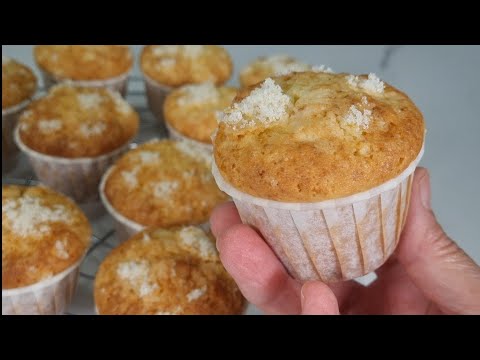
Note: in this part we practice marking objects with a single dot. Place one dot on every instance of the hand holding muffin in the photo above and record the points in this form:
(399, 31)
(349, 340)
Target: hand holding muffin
(429, 273)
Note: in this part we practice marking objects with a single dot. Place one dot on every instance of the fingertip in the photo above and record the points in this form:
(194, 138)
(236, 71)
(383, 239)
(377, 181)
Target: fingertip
(318, 299)
(253, 265)
(420, 173)
(223, 217)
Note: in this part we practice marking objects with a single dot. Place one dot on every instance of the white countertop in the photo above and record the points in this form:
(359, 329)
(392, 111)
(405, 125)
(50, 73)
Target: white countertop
(444, 82)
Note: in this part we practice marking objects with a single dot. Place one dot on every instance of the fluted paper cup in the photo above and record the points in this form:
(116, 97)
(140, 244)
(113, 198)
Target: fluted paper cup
(332, 240)
(77, 178)
(9, 122)
(156, 94)
(124, 227)
(47, 297)
(118, 83)
(175, 135)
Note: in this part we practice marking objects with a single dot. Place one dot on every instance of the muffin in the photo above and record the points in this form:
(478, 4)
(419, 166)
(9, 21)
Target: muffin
(166, 272)
(166, 67)
(322, 165)
(190, 111)
(44, 238)
(275, 65)
(18, 87)
(73, 134)
(161, 183)
(85, 65)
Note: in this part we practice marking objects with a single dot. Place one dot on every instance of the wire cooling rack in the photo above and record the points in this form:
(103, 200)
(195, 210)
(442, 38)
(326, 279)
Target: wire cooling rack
(104, 239)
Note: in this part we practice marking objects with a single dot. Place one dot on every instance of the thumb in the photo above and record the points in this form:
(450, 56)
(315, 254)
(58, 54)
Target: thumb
(436, 264)
(318, 299)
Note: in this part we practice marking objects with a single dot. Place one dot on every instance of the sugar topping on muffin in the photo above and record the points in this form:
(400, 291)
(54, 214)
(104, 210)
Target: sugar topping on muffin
(43, 233)
(18, 82)
(197, 94)
(371, 84)
(313, 136)
(192, 109)
(164, 183)
(166, 272)
(74, 122)
(265, 105)
(176, 65)
(84, 62)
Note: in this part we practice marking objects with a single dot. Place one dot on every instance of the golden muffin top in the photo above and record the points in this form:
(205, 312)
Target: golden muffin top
(84, 62)
(75, 122)
(166, 272)
(176, 65)
(43, 234)
(192, 109)
(164, 183)
(313, 136)
(18, 82)
(275, 65)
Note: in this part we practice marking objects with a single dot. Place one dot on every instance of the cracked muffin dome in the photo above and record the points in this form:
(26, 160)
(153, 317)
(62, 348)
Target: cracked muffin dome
(43, 234)
(275, 65)
(176, 65)
(18, 82)
(191, 110)
(84, 62)
(313, 136)
(166, 272)
(164, 183)
(75, 122)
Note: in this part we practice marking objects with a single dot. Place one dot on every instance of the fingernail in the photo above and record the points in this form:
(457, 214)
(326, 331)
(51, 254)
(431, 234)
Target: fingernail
(425, 193)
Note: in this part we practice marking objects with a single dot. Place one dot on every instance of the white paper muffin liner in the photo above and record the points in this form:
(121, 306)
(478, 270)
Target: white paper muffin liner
(124, 227)
(118, 83)
(175, 135)
(332, 240)
(9, 122)
(47, 297)
(156, 94)
(77, 178)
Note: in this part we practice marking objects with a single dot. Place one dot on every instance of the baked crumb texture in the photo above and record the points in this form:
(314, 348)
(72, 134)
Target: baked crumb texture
(84, 62)
(43, 234)
(75, 122)
(176, 65)
(166, 272)
(18, 82)
(192, 110)
(164, 183)
(313, 136)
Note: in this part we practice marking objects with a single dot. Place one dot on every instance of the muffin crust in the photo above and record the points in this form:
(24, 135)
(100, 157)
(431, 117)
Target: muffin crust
(166, 272)
(164, 183)
(270, 66)
(78, 122)
(84, 62)
(192, 109)
(18, 82)
(313, 136)
(43, 233)
(176, 65)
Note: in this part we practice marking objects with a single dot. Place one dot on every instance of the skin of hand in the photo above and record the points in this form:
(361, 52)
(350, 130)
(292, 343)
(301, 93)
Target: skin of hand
(428, 273)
